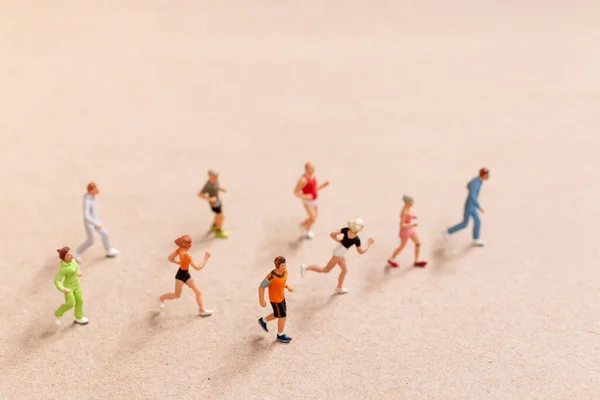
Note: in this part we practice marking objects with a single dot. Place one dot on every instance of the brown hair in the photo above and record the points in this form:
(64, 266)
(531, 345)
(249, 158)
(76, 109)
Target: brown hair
(483, 172)
(184, 241)
(279, 260)
(91, 186)
(63, 252)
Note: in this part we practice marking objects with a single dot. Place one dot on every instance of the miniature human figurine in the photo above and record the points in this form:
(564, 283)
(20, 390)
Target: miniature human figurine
(350, 238)
(276, 281)
(210, 192)
(184, 243)
(92, 223)
(69, 271)
(307, 190)
(407, 231)
(471, 208)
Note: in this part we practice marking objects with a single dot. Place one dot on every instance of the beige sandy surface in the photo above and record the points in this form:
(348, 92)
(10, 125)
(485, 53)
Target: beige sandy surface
(386, 98)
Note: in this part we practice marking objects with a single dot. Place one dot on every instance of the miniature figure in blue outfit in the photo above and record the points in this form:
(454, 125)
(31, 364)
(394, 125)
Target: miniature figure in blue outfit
(472, 207)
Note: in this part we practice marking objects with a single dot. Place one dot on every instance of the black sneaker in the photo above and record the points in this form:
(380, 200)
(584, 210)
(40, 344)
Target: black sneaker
(284, 338)
(263, 324)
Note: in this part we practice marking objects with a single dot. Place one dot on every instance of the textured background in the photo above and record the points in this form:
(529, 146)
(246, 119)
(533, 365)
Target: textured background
(387, 98)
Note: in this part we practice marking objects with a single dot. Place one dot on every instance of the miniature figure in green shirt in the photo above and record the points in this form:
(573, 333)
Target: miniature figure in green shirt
(69, 271)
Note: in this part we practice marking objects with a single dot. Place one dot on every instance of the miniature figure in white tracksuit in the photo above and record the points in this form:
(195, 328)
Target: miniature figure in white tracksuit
(92, 223)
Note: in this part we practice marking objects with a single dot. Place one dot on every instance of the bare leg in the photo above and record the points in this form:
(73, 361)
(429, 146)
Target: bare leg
(219, 220)
(312, 211)
(415, 239)
(174, 295)
(190, 282)
(270, 317)
(399, 249)
(344, 268)
(280, 325)
(332, 263)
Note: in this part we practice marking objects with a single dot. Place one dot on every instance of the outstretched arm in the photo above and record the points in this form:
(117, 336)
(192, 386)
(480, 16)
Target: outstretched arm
(323, 185)
(202, 264)
(222, 189)
(172, 258)
(363, 250)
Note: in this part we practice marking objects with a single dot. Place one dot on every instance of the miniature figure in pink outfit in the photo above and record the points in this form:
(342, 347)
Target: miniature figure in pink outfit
(407, 231)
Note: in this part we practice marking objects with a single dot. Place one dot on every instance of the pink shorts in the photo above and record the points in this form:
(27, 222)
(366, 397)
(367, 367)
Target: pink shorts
(406, 233)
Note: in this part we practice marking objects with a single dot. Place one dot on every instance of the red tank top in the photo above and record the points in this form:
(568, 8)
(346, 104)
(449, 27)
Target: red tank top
(310, 187)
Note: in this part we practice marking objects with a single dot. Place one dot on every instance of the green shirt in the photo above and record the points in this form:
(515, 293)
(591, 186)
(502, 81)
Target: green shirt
(211, 189)
(68, 271)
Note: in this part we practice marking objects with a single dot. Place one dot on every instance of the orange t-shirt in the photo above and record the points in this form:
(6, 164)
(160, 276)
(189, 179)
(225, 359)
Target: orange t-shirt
(277, 286)
(185, 259)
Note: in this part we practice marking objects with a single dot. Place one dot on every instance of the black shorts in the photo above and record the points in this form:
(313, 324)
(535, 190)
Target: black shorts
(217, 209)
(279, 309)
(183, 275)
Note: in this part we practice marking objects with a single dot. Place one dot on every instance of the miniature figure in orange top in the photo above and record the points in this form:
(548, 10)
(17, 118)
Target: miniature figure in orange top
(407, 231)
(276, 281)
(307, 190)
(184, 244)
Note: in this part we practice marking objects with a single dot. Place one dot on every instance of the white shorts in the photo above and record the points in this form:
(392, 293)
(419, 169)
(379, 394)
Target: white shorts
(312, 202)
(339, 251)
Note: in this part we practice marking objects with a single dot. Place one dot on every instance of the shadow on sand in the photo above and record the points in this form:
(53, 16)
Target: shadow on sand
(444, 254)
(279, 244)
(239, 361)
(306, 312)
(42, 280)
(35, 338)
(375, 281)
(156, 323)
(207, 237)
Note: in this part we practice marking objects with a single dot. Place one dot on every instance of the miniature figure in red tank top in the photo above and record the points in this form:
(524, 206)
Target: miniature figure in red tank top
(307, 189)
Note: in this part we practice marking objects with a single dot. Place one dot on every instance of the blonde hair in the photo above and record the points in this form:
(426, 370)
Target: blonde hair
(356, 224)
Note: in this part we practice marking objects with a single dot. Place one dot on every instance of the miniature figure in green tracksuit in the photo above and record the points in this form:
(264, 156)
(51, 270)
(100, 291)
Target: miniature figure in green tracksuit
(69, 270)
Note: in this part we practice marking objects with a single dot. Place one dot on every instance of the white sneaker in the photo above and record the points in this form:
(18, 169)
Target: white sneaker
(341, 290)
(206, 313)
(302, 230)
(303, 270)
(112, 253)
(310, 235)
(478, 243)
(162, 305)
(82, 321)
(57, 320)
